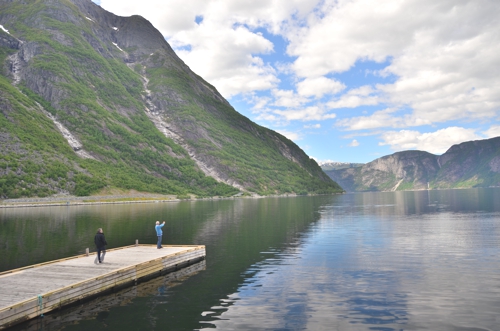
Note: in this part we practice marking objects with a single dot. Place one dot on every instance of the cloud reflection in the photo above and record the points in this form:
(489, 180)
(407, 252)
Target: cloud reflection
(376, 262)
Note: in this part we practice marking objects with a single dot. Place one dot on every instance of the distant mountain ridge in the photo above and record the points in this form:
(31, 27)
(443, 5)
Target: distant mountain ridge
(332, 165)
(469, 164)
(90, 100)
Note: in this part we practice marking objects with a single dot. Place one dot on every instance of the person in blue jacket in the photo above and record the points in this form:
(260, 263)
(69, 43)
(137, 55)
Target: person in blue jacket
(159, 233)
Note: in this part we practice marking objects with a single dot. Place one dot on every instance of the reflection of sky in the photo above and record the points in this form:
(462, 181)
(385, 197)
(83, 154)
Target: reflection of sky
(377, 265)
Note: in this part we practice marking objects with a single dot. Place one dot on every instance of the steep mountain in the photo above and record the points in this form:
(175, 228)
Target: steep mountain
(90, 100)
(469, 164)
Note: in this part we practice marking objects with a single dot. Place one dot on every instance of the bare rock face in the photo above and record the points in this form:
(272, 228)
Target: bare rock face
(470, 164)
(8, 41)
(495, 164)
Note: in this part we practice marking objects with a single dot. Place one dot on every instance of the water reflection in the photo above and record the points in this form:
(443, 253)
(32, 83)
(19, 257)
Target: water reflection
(364, 266)
(371, 261)
(234, 232)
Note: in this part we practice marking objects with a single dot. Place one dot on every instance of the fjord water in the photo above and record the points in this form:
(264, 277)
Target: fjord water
(425, 260)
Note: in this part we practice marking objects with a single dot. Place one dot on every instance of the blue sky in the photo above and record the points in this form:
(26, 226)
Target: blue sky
(346, 80)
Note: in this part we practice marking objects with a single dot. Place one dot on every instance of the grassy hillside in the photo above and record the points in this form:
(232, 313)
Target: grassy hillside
(37, 160)
(248, 153)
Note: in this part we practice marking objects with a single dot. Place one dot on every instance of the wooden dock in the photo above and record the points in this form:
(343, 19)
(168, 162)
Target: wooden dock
(32, 291)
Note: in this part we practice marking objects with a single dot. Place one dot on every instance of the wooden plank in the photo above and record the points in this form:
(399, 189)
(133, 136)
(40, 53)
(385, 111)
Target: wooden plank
(68, 280)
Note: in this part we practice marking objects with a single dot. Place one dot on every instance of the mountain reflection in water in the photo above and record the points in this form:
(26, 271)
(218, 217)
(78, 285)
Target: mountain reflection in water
(368, 261)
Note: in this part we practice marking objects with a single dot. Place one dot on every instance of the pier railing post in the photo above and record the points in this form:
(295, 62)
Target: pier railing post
(87, 251)
(137, 242)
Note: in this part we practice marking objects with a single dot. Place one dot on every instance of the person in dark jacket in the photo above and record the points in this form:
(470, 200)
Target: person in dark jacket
(100, 244)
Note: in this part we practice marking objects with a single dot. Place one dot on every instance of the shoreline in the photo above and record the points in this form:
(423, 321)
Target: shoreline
(89, 200)
(114, 199)
(81, 203)
(150, 198)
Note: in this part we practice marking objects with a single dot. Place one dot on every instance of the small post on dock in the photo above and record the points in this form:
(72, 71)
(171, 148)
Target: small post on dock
(40, 304)
(137, 242)
(87, 251)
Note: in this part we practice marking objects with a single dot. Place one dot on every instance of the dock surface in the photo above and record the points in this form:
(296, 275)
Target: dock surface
(31, 291)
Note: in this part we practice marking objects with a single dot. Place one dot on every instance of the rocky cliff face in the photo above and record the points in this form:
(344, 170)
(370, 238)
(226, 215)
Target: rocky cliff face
(111, 91)
(470, 164)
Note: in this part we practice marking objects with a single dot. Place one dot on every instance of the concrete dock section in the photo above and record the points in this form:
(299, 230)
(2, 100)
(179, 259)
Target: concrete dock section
(32, 291)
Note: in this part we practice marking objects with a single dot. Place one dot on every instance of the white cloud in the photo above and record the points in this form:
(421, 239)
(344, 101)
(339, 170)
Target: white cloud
(290, 135)
(354, 143)
(313, 126)
(361, 96)
(436, 142)
(288, 99)
(493, 131)
(443, 55)
(259, 103)
(379, 119)
(343, 32)
(319, 86)
(312, 113)
(232, 68)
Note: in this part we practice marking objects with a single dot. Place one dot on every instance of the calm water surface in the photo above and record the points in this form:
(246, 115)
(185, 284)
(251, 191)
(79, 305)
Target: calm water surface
(424, 260)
